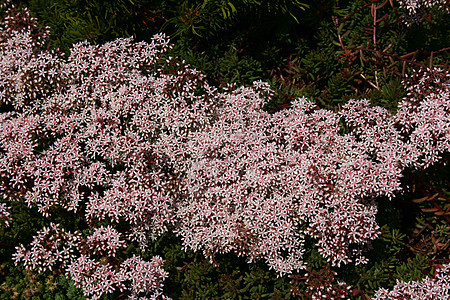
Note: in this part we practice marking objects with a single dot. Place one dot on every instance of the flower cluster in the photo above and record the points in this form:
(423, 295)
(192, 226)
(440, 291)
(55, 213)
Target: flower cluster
(105, 241)
(436, 287)
(96, 279)
(424, 116)
(27, 71)
(146, 278)
(50, 247)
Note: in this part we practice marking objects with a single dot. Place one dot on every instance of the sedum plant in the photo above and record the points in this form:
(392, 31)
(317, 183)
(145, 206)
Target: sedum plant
(136, 144)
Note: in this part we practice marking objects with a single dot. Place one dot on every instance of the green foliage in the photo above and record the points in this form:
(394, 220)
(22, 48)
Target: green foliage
(222, 65)
(208, 17)
(341, 60)
(414, 269)
(15, 281)
(192, 276)
(72, 21)
(22, 284)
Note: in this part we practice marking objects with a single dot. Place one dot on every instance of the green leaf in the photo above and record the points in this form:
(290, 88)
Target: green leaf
(224, 14)
(233, 9)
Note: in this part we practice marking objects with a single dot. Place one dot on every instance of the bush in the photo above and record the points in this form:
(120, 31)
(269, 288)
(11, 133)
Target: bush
(128, 144)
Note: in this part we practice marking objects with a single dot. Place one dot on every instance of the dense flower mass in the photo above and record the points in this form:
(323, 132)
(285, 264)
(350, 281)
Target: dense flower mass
(125, 136)
(80, 132)
(258, 183)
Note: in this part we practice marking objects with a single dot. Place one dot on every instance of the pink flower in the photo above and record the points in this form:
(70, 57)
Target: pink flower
(122, 135)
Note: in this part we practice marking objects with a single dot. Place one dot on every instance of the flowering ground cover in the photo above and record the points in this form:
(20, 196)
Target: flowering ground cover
(118, 158)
